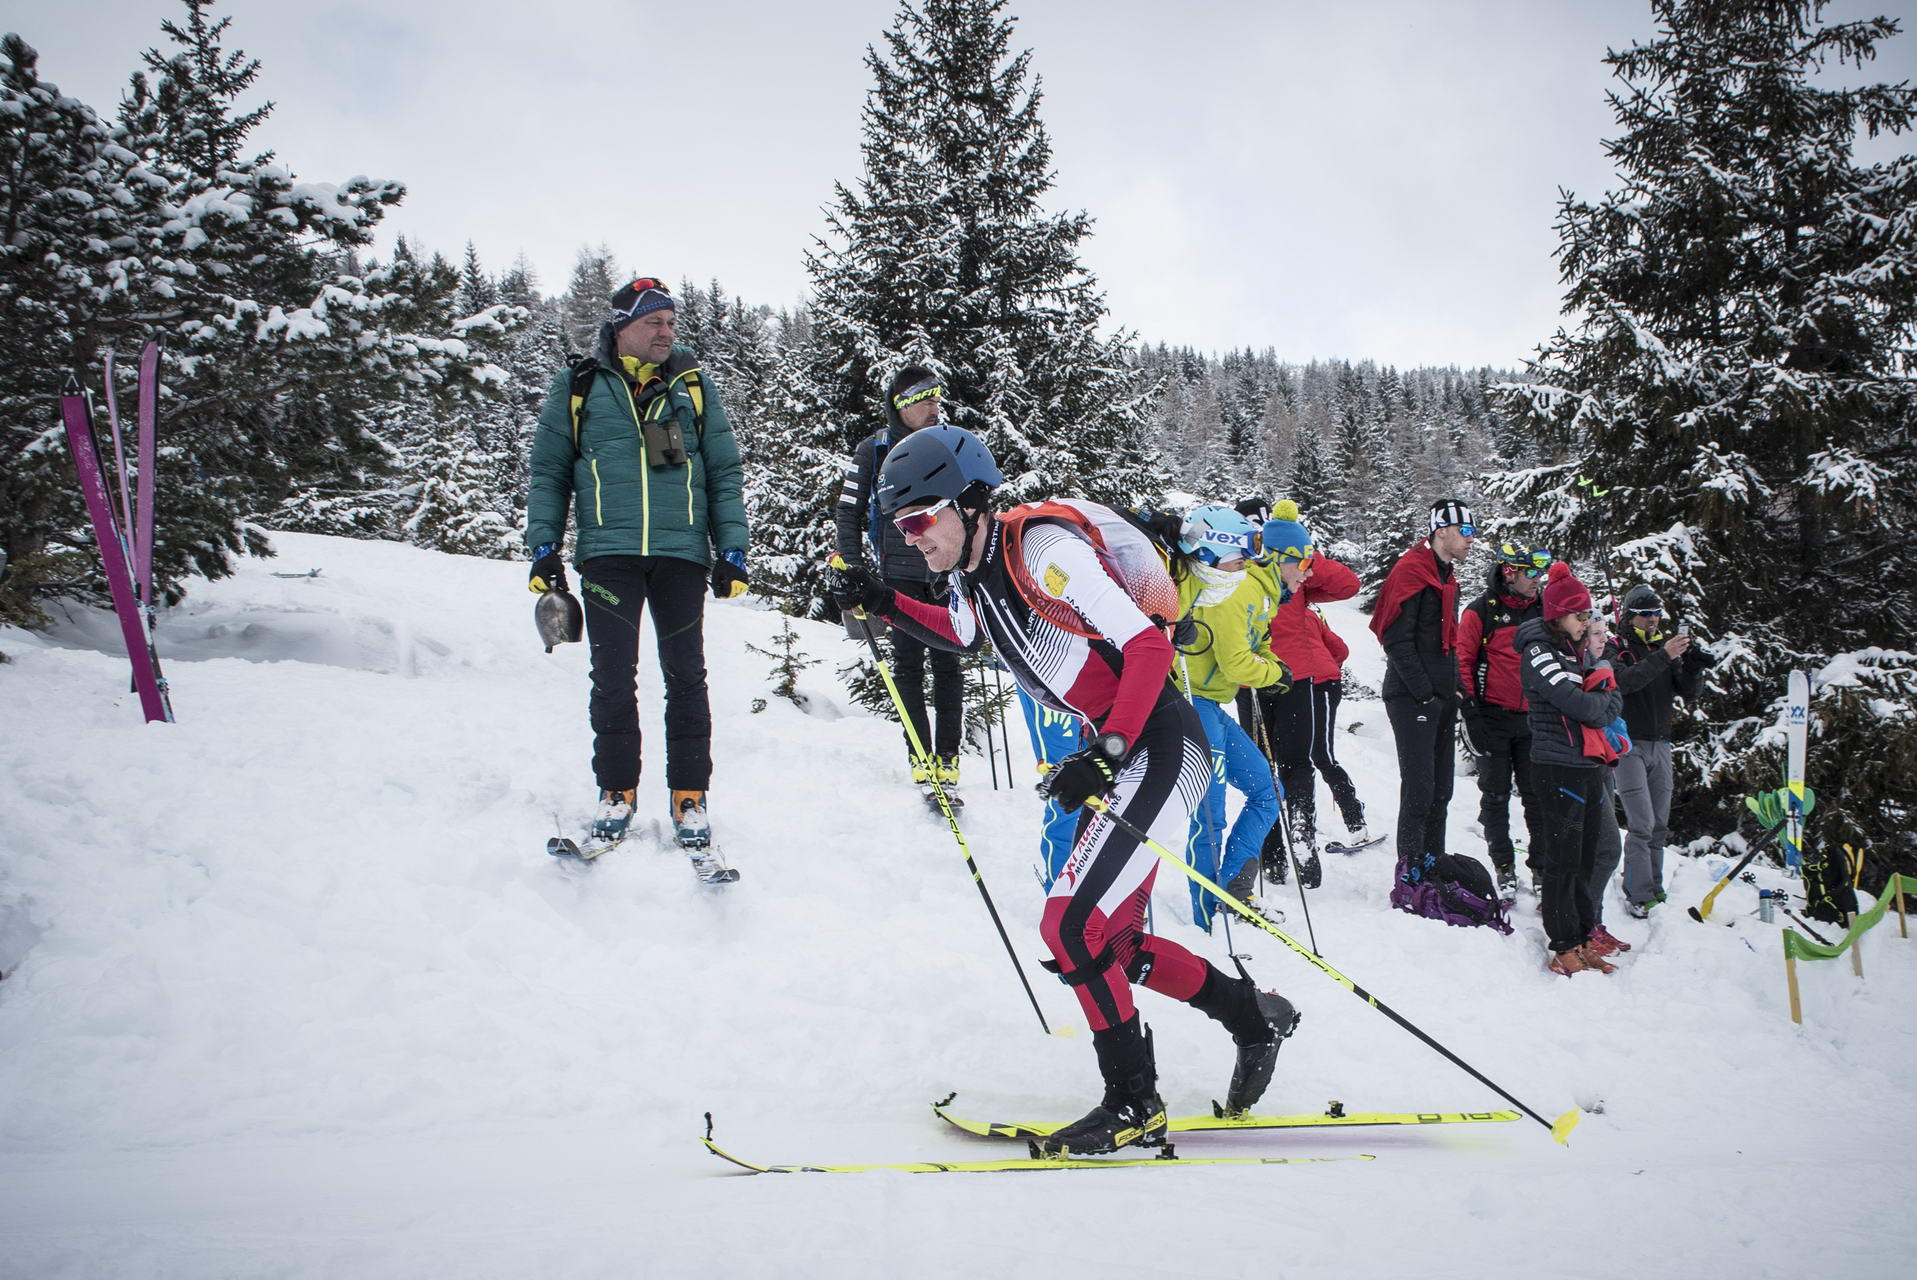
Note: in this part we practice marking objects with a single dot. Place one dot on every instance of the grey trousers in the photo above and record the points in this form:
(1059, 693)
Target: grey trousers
(1644, 786)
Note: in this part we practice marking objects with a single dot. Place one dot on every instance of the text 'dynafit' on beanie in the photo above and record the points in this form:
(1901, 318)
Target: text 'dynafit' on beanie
(1563, 593)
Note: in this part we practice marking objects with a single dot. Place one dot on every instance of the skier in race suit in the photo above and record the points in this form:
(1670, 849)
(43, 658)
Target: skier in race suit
(1148, 758)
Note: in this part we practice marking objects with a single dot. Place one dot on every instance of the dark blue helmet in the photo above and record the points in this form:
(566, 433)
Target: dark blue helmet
(936, 462)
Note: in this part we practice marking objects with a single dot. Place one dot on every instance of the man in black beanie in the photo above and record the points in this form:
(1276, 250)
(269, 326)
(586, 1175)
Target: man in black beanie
(912, 397)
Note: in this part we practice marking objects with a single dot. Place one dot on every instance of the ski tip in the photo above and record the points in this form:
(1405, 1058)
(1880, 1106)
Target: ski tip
(1562, 1126)
(1694, 915)
(561, 847)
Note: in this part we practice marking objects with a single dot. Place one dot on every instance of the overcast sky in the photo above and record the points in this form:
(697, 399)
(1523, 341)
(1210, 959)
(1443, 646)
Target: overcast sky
(1370, 179)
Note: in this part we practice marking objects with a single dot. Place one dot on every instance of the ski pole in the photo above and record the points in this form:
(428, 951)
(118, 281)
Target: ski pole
(1560, 1129)
(1702, 911)
(865, 631)
(991, 750)
(1284, 823)
(1004, 730)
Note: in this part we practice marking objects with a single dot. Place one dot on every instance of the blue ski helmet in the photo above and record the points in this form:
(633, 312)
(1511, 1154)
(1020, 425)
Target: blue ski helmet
(1217, 532)
(936, 462)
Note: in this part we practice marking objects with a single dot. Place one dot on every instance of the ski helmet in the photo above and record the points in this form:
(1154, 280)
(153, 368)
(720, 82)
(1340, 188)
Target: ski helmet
(1533, 560)
(938, 462)
(1216, 532)
(1642, 599)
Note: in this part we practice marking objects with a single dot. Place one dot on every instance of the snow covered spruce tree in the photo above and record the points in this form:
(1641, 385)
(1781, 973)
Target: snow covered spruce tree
(1738, 378)
(943, 253)
(279, 351)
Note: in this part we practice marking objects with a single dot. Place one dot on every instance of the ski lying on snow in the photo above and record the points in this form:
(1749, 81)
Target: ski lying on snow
(1335, 1118)
(707, 863)
(1341, 846)
(1167, 1159)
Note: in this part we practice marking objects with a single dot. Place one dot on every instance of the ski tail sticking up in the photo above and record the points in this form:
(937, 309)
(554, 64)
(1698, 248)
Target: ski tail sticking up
(114, 552)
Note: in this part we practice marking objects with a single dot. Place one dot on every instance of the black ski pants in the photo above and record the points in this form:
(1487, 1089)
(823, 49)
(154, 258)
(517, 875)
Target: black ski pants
(1425, 733)
(909, 658)
(1301, 725)
(1501, 740)
(616, 591)
(1574, 802)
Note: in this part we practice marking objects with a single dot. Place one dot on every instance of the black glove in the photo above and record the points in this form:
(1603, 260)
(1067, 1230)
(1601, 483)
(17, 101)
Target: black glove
(854, 587)
(548, 570)
(1080, 776)
(729, 576)
(1473, 720)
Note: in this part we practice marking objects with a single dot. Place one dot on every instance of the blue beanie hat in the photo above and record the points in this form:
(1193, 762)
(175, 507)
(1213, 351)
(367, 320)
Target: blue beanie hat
(1286, 537)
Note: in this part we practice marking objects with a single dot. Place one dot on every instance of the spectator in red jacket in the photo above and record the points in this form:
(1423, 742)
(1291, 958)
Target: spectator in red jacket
(1301, 722)
(1497, 724)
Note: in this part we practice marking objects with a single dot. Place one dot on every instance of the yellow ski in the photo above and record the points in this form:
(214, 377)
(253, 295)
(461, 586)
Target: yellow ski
(1166, 1159)
(1334, 1117)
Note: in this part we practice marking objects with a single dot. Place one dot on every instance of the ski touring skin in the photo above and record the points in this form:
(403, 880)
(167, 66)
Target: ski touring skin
(1333, 1117)
(1165, 1159)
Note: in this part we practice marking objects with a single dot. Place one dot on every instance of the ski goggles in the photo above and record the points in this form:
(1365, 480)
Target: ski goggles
(913, 395)
(1534, 563)
(917, 523)
(1647, 613)
(1302, 556)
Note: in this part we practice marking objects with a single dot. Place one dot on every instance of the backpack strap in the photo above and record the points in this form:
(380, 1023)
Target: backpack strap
(583, 369)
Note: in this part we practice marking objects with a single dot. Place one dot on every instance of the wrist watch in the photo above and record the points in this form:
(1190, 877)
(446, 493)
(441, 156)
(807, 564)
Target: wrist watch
(1110, 745)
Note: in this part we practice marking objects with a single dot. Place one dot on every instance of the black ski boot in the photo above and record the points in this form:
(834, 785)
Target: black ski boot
(1258, 1021)
(1131, 1113)
(1507, 877)
(1311, 872)
(1272, 856)
(1251, 1071)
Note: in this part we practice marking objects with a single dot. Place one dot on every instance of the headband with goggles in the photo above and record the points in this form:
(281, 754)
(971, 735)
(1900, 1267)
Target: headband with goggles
(648, 294)
(913, 395)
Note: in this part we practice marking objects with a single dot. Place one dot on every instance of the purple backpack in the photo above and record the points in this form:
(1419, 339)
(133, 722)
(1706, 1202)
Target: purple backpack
(1450, 888)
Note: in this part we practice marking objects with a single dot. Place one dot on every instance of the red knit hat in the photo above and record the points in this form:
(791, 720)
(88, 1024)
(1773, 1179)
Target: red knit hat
(1563, 593)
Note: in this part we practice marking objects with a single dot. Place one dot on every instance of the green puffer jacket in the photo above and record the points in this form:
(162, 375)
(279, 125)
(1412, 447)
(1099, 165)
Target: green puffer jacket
(1234, 638)
(624, 507)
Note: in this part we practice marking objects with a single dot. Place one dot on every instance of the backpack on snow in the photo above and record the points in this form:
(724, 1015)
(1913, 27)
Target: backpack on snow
(1123, 546)
(1451, 888)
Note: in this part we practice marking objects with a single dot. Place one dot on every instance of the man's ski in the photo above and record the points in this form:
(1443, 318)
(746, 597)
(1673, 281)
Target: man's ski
(1333, 1118)
(1340, 846)
(1796, 733)
(709, 865)
(586, 850)
(1166, 1159)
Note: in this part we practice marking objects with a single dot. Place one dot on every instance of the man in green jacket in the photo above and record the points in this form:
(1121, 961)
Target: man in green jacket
(636, 442)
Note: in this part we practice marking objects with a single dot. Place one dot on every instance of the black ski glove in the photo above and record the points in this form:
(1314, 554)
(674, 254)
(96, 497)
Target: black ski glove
(1080, 776)
(548, 570)
(853, 587)
(729, 576)
(1472, 718)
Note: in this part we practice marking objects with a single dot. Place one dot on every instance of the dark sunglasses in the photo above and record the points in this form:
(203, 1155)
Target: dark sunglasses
(1646, 613)
(917, 523)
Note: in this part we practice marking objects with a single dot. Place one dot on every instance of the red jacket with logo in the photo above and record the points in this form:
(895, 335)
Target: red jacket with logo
(1302, 639)
(1487, 649)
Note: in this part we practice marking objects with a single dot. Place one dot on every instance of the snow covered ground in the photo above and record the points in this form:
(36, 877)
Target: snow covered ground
(292, 989)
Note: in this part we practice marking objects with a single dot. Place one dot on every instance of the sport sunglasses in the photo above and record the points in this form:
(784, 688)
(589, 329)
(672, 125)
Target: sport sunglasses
(917, 523)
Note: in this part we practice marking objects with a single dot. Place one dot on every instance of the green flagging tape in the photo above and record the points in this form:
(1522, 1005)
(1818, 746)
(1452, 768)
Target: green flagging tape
(1799, 947)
